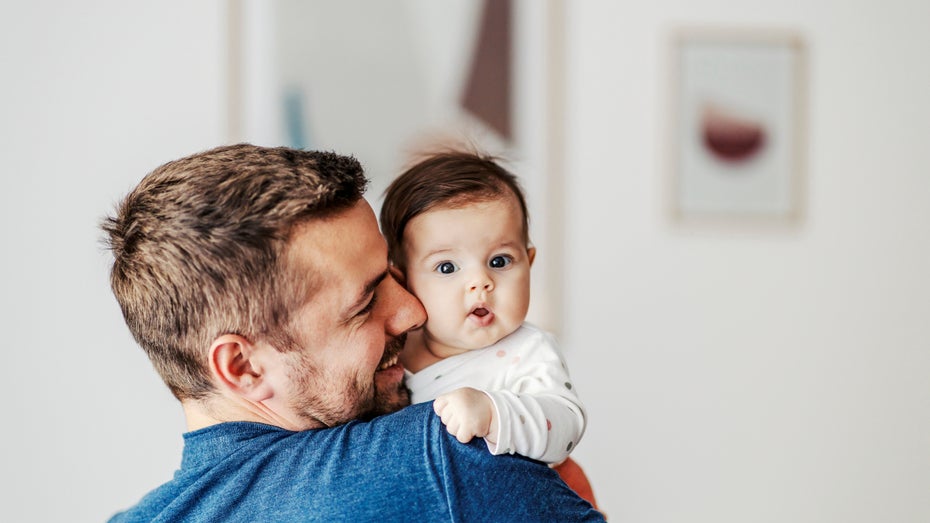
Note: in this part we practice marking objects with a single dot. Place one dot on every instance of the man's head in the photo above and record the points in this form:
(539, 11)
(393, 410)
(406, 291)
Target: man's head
(219, 259)
(456, 226)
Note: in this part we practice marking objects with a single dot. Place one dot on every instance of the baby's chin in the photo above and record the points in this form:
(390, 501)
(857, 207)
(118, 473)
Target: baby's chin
(458, 345)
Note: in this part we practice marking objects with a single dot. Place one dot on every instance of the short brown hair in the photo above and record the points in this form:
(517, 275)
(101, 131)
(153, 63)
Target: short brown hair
(449, 179)
(200, 245)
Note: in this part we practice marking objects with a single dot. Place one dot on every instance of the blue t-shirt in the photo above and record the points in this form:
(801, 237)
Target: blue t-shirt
(399, 467)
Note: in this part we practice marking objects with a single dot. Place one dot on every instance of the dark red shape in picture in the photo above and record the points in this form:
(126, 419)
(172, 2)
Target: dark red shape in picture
(731, 138)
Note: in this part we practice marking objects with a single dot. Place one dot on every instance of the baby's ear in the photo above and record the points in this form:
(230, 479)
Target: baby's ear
(531, 254)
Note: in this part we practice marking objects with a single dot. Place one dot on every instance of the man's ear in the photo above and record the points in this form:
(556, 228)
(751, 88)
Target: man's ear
(236, 367)
(531, 254)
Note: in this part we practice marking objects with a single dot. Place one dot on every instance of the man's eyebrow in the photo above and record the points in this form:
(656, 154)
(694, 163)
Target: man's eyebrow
(364, 295)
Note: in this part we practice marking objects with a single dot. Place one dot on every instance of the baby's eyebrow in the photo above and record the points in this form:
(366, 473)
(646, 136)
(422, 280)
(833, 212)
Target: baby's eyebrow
(444, 250)
(516, 246)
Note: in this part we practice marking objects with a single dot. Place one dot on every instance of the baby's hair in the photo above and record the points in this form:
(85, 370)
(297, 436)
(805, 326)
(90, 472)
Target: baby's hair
(447, 179)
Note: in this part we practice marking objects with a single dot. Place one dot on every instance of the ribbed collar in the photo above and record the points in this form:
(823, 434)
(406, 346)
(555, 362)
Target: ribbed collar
(204, 447)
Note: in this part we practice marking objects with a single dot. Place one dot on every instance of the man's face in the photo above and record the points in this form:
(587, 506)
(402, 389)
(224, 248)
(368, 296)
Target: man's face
(351, 330)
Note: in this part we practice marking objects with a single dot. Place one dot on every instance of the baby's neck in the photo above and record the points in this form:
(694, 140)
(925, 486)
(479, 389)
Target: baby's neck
(416, 356)
(421, 352)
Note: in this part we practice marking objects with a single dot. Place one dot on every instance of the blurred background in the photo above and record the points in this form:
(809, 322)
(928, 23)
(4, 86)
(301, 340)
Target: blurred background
(731, 373)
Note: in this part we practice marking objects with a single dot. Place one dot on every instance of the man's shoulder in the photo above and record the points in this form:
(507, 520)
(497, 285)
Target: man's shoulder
(418, 415)
(331, 473)
(399, 431)
(417, 425)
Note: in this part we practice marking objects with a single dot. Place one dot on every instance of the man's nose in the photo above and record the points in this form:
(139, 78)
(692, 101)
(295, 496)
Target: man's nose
(406, 311)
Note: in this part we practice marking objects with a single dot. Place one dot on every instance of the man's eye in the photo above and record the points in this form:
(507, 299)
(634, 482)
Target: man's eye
(446, 268)
(369, 307)
(500, 261)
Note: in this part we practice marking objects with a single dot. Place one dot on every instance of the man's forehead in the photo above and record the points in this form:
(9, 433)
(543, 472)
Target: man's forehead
(343, 252)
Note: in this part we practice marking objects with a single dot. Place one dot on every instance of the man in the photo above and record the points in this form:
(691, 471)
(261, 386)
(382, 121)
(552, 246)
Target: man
(258, 284)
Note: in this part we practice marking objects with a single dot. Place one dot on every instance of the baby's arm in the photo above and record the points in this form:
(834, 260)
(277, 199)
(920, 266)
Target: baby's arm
(539, 413)
(539, 426)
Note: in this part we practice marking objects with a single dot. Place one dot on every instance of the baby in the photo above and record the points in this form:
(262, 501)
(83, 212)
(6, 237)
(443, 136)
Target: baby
(457, 229)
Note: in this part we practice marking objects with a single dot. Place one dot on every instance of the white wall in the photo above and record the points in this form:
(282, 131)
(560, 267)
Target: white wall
(765, 377)
(730, 377)
(94, 95)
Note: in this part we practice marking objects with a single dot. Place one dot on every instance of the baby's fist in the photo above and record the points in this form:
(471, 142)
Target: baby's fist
(466, 413)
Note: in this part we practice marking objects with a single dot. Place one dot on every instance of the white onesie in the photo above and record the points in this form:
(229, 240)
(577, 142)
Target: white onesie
(539, 413)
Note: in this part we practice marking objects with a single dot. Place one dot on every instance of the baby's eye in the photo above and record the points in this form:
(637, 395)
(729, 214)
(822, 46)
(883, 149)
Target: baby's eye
(446, 268)
(500, 261)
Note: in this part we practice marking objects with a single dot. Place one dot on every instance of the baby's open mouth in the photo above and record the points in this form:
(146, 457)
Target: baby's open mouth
(480, 312)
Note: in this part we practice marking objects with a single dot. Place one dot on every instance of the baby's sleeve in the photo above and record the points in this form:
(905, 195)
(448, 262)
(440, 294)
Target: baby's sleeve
(539, 413)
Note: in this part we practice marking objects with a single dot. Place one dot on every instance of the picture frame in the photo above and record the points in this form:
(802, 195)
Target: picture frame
(737, 128)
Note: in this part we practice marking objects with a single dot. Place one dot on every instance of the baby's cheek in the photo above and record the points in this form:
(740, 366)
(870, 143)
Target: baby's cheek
(436, 304)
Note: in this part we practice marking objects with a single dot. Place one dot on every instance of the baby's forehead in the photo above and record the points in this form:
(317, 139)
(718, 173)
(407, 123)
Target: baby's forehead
(486, 221)
(464, 201)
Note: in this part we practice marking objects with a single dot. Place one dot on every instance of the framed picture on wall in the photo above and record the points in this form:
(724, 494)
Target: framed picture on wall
(737, 128)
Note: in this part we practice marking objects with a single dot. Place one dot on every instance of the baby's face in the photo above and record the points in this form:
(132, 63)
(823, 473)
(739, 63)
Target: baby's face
(471, 269)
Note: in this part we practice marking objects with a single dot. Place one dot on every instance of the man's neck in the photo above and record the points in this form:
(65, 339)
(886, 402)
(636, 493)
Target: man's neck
(196, 416)
(229, 408)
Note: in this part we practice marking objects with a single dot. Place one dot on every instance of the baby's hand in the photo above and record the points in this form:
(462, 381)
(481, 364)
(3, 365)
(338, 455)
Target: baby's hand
(467, 413)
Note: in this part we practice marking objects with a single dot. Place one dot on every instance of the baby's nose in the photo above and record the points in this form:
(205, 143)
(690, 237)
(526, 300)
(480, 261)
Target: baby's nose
(481, 281)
